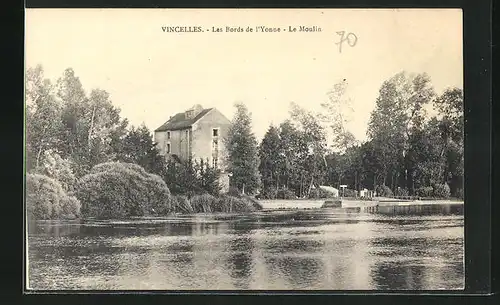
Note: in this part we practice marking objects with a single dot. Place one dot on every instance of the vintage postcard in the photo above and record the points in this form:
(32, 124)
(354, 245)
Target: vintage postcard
(244, 149)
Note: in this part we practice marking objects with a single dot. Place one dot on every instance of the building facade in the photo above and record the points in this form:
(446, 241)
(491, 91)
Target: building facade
(196, 133)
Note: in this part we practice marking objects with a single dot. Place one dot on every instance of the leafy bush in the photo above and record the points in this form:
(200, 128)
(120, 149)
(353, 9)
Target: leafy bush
(118, 190)
(252, 202)
(319, 193)
(192, 177)
(269, 193)
(71, 207)
(460, 194)
(401, 192)
(207, 203)
(442, 190)
(47, 199)
(55, 167)
(181, 204)
(231, 204)
(383, 191)
(234, 191)
(286, 194)
(202, 203)
(226, 204)
(424, 191)
(347, 193)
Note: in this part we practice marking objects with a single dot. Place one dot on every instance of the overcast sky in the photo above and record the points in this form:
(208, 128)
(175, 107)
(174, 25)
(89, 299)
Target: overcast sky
(152, 75)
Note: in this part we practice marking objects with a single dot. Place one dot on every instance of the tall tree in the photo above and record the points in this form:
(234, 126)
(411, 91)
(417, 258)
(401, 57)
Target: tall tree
(90, 124)
(104, 121)
(71, 94)
(242, 152)
(294, 151)
(399, 112)
(43, 117)
(336, 115)
(313, 136)
(450, 106)
(425, 159)
(271, 160)
(138, 147)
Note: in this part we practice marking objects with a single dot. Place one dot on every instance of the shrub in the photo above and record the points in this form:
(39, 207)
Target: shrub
(242, 205)
(118, 190)
(383, 191)
(55, 167)
(181, 204)
(252, 202)
(347, 193)
(231, 204)
(319, 193)
(47, 199)
(424, 191)
(401, 192)
(286, 194)
(268, 193)
(226, 204)
(71, 207)
(234, 191)
(441, 190)
(459, 194)
(202, 203)
(207, 203)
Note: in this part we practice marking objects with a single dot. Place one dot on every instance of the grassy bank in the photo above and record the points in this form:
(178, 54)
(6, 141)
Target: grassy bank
(207, 203)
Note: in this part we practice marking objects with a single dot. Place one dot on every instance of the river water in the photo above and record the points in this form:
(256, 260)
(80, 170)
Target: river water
(327, 249)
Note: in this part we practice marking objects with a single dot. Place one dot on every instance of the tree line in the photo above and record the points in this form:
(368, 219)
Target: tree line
(70, 132)
(83, 130)
(408, 150)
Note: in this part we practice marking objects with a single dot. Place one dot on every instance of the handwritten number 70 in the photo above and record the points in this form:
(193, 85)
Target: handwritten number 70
(351, 39)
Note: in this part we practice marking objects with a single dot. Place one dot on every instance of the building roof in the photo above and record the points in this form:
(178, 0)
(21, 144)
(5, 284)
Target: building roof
(179, 121)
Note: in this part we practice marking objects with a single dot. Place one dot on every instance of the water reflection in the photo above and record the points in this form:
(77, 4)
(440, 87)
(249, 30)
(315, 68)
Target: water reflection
(315, 249)
(239, 258)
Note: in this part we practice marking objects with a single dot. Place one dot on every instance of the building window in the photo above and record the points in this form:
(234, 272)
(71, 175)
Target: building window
(168, 135)
(168, 148)
(215, 162)
(215, 144)
(215, 132)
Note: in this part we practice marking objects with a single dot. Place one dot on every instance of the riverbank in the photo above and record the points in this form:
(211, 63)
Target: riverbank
(350, 203)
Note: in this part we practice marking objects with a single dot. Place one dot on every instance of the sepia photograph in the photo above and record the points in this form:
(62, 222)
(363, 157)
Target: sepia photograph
(244, 149)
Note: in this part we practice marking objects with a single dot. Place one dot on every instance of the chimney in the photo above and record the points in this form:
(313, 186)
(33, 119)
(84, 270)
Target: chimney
(193, 111)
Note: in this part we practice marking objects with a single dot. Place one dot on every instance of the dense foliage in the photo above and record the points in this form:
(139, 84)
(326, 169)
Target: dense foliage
(70, 134)
(192, 178)
(118, 190)
(441, 190)
(407, 152)
(206, 203)
(181, 204)
(47, 199)
(79, 149)
(319, 193)
(242, 155)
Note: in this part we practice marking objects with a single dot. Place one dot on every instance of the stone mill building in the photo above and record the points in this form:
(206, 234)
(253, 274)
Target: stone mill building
(196, 133)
